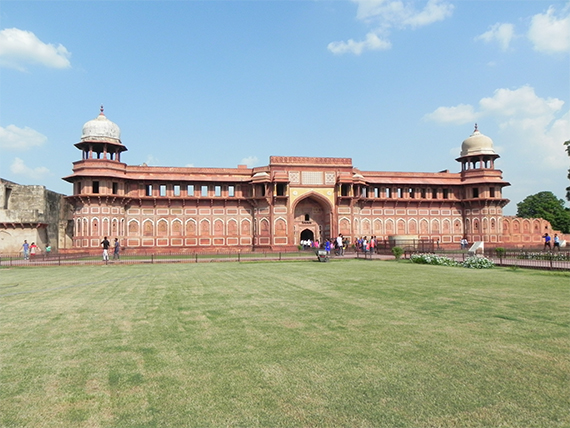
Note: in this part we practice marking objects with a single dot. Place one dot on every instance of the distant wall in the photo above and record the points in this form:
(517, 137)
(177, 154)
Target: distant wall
(32, 213)
(528, 232)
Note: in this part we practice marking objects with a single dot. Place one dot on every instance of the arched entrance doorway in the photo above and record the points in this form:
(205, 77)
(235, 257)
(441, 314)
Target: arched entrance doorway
(307, 234)
(312, 219)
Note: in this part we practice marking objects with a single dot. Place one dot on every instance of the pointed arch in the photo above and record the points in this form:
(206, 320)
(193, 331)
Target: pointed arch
(457, 229)
(264, 227)
(232, 227)
(412, 226)
(435, 226)
(204, 227)
(191, 227)
(218, 227)
(105, 230)
(377, 227)
(176, 227)
(94, 226)
(366, 229)
(162, 227)
(246, 227)
(316, 196)
(280, 226)
(148, 227)
(401, 227)
(133, 227)
(344, 226)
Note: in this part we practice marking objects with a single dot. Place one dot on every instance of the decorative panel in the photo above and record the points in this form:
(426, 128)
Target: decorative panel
(312, 177)
(294, 177)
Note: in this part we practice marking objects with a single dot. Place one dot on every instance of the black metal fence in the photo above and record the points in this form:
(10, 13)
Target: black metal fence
(515, 258)
(139, 258)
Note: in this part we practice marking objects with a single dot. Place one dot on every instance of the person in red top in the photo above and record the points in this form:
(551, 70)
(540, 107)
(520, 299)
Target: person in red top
(34, 249)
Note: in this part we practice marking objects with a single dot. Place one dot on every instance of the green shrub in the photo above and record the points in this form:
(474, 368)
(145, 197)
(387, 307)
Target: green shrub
(500, 252)
(397, 251)
(478, 263)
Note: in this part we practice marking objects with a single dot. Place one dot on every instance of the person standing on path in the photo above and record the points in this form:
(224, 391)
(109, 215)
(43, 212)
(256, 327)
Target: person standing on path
(34, 249)
(556, 242)
(339, 243)
(105, 244)
(26, 250)
(546, 241)
(117, 248)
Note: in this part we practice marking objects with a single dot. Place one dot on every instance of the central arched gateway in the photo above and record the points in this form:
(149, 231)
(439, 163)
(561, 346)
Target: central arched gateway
(312, 215)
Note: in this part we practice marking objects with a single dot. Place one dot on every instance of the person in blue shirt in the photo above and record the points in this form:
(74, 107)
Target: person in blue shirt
(556, 242)
(26, 250)
(547, 241)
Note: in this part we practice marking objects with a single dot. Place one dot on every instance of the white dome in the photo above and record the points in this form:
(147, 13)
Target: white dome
(101, 129)
(477, 143)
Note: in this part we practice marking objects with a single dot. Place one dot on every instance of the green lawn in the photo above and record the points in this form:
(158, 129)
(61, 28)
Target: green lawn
(353, 343)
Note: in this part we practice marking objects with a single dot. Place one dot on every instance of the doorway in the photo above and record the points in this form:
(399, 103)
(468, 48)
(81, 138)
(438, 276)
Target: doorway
(307, 234)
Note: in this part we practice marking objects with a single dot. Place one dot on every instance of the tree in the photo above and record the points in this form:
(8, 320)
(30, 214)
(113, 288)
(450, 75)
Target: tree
(567, 144)
(545, 205)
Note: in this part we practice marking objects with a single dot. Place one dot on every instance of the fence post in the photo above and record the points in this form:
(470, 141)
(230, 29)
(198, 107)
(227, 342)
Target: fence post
(239, 256)
(279, 255)
(152, 258)
(196, 255)
(59, 259)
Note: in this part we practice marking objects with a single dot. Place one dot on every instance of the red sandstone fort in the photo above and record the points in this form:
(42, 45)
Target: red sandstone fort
(276, 206)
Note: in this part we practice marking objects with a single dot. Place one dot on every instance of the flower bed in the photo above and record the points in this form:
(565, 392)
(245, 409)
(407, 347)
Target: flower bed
(471, 263)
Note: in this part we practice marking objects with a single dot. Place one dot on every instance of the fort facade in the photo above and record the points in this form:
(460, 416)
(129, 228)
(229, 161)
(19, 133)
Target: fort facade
(276, 206)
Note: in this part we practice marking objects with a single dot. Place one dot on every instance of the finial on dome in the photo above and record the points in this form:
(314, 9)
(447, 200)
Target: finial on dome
(101, 111)
(473, 131)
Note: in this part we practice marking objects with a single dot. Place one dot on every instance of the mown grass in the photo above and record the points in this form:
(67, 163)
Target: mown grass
(293, 344)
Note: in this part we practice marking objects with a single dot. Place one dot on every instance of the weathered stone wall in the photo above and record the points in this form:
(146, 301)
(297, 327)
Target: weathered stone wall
(32, 213)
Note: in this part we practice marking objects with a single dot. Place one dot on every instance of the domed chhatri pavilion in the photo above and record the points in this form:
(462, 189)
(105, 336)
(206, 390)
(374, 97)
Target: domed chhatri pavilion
(278, 205)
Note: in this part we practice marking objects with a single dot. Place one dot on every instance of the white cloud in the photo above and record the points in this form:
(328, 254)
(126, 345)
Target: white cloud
(151, 160)
(460, 114)
(14, 138)
(433, 12)
(372, 43)
(400, 14)
(534, 126)
(250, 161)
(19, 168)
(19, 48)
(383, 15)
(549, 33)
(501, 33)
(522, 103)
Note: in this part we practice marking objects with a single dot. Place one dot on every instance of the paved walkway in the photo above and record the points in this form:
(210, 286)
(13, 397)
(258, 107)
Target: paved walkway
(252, 257)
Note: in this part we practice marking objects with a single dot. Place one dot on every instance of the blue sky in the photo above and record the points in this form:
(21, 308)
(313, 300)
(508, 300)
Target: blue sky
(395, 85)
